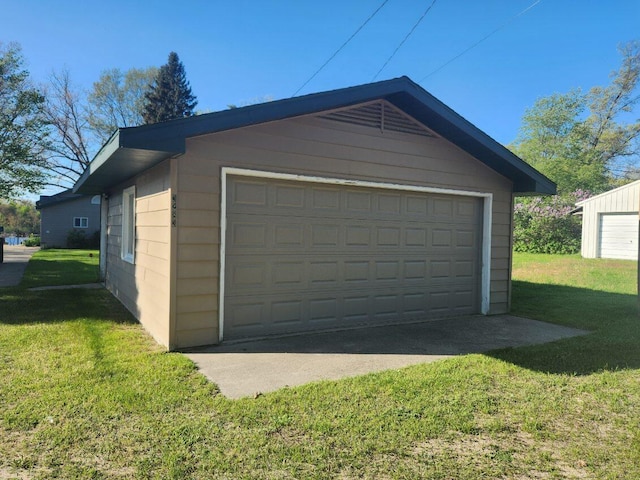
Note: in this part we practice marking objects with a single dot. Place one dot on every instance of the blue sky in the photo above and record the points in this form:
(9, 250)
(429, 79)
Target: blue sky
(239, 52)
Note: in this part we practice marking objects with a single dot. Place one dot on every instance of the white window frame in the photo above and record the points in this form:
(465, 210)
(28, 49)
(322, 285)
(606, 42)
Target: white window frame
(79, 221)
(128, 244)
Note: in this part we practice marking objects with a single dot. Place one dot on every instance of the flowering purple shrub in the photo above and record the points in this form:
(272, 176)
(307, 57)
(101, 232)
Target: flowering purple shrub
(545, 224)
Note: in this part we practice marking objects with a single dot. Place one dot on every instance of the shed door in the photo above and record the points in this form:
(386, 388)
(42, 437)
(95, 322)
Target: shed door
(619, 236)
(304, 256)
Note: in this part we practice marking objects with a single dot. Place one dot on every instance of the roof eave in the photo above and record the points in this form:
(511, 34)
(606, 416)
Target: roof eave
(143, 147)
(128, 152)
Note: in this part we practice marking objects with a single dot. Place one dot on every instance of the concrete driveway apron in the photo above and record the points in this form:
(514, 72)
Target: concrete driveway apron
(247, 368)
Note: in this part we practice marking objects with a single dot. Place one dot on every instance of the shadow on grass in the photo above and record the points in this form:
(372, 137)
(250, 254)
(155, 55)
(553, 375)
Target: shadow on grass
(613, 319)
(41, 272)
(22, 307)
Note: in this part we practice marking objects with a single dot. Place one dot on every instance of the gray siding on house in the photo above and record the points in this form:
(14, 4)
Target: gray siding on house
(56, 221)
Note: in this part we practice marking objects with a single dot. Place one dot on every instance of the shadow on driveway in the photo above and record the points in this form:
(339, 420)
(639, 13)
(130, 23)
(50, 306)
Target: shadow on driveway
(245, 368)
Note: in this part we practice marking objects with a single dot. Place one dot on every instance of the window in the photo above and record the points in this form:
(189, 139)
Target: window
(80, 222)
(128, 224)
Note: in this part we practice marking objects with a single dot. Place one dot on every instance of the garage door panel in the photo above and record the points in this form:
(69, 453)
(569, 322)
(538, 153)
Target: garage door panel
(247, 192)
(282, 313)
(249, 234)
(442, 208)
(289, 196)
(357, 202)
(323, 309)
(323, 273)
(467, 208)
(288, 235)
(338, 203)
(618, 236)
(281, 233)
(248, 275)
(301, 256)
(304, 274)
(288, 274)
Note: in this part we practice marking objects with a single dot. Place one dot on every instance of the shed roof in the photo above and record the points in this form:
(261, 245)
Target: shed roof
(615, 191)
(133, 150)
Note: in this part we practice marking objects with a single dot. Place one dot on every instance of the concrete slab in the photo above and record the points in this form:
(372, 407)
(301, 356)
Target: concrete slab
(245, 368)
(15, 259)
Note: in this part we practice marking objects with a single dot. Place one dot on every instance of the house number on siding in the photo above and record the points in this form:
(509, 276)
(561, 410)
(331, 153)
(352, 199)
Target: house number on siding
(174, 209)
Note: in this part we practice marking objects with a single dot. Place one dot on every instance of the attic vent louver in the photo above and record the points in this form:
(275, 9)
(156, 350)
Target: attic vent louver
(381, 115)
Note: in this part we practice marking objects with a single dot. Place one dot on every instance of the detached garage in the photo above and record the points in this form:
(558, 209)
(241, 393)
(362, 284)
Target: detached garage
(610, 223)
(361, 206)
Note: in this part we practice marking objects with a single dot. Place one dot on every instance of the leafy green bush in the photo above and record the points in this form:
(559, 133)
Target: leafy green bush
(76, 239)
(32, 241)
(546, 225)
(79, 239)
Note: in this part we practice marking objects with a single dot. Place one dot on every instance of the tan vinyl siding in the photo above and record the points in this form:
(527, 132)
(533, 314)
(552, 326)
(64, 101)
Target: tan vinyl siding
(625, 199)
(312, 146)
(144, 287)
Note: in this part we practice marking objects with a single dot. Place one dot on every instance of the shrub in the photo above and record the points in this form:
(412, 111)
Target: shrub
(32, 241)
(76, 239)
(546, 225)
(79, 239)
(93, 242)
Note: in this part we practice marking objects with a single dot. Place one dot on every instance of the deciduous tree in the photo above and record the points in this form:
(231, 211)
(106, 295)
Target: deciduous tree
(117, 99)
(581, 141)
(69, 149)
(22, 127)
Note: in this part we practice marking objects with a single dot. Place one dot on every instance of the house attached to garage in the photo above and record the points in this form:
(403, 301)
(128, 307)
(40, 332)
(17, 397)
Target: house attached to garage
(360, 206)
(610, 223)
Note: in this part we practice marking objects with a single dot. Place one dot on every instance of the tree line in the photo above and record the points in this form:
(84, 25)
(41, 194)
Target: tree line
(19, 218)
(49, 133)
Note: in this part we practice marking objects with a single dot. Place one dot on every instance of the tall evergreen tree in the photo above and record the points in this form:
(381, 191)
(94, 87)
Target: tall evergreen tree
(170, 95)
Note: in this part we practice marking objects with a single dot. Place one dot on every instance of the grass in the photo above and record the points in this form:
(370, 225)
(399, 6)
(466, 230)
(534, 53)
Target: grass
(85, 393)
(62, 267)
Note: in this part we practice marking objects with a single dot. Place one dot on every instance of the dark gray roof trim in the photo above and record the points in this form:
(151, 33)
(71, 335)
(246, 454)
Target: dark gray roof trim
(133, 150)
(62, 197)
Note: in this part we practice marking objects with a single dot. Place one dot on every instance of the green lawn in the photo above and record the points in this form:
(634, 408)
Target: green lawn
(85, 393)
(61, 267)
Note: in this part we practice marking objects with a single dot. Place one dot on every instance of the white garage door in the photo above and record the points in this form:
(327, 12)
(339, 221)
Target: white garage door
(303, 256)
(619, 236)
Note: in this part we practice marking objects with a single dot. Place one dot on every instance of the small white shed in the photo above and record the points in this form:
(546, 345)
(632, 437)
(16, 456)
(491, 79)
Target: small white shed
(610, 223)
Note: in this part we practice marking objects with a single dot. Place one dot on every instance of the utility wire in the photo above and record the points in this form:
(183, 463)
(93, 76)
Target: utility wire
(341, 47)
(481, 40)
(404, 40)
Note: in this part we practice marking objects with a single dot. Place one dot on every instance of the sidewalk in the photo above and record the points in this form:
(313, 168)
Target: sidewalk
(15, 263)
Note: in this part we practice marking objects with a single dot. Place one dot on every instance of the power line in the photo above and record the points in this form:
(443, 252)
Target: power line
(481, 40)
(404, 40)
(341, 47)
